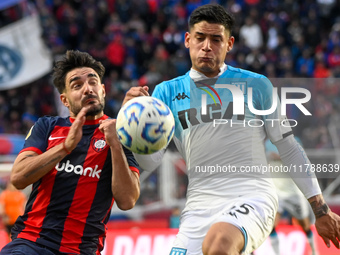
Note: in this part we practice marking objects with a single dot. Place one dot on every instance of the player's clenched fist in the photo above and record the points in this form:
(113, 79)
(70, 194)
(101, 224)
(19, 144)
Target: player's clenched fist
(108, 128)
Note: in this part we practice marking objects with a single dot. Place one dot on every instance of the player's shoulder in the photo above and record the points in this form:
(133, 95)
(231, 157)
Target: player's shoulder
(178, 80)
(45, 125)
(252, 79)
(53, 119)
(167, 90)
(49, 121)
(242, 73)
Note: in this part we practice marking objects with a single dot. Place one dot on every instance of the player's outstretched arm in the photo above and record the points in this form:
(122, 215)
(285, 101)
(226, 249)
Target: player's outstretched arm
(30, 166)
(125, 183)
(327, 223)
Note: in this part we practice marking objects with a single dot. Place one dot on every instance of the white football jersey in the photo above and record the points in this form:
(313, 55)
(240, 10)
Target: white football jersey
(220, 133)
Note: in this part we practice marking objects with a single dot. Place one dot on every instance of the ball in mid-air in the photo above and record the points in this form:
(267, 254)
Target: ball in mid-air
(145, 125)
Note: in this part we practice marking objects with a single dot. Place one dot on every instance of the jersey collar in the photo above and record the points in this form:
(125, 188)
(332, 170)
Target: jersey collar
(91, 122)
(196, 75)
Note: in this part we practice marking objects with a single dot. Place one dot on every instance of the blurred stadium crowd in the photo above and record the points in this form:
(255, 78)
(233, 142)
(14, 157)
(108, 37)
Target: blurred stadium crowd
(140, 42)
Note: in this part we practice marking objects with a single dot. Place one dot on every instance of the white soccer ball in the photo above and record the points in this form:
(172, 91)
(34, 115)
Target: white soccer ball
(145, 125)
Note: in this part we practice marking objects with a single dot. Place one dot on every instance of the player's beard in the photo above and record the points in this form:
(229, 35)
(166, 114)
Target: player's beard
(95, 109)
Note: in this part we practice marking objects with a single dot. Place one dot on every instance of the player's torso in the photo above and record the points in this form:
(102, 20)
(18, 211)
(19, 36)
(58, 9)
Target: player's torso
(220, 134)
(218, 144)
(80, 171)
(75, 194)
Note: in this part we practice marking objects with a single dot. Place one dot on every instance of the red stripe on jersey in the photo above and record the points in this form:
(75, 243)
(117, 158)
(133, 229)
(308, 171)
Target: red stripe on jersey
(83, 197)
(57, 136)
(37, 214)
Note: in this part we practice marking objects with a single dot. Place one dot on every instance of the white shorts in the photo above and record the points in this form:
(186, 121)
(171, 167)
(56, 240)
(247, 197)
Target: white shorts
(253, 215)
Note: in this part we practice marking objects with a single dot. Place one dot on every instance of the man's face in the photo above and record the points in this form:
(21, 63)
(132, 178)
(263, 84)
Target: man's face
(82, 88)
(208, 45)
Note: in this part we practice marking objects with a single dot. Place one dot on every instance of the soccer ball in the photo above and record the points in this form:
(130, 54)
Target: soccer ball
(145, 125)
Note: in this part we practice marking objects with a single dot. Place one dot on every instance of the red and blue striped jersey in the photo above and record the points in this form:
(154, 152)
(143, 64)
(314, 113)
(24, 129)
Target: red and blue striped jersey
(69, 207)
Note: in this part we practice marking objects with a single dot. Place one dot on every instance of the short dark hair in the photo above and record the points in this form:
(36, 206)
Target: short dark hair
(212, 13)
(74, 59)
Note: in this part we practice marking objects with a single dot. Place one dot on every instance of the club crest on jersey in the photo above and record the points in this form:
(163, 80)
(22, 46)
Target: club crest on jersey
(98, 144)
(242, 85)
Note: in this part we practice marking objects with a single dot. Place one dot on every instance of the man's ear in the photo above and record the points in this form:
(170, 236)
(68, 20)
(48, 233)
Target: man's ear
(231, 41)
(64, 100)
(186, 40)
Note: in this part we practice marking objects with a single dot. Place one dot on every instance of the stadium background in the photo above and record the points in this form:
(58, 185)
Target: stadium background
(140, 42)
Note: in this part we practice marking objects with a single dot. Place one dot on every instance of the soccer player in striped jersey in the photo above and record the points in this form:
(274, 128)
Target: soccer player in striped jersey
(229, 210)
(77, 166)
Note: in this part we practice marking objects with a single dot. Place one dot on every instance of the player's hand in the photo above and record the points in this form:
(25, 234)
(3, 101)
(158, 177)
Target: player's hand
(328, 227)
(108, 128)
(136, 92)
(76, 131)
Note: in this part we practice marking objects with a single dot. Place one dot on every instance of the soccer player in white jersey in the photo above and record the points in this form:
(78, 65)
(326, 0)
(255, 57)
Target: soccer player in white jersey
(228, 212)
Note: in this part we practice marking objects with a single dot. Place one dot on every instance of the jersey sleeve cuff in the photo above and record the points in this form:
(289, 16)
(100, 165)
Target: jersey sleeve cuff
(36, 150)
(134, 169)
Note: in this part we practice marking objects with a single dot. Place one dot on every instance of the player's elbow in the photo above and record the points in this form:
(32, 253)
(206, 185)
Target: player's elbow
(126, 205)
(129, 201)
(127, 198)
(17, 182)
